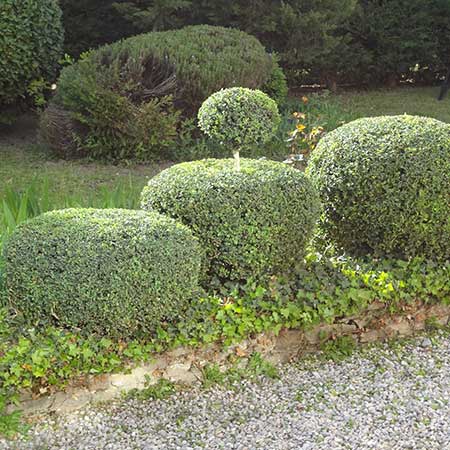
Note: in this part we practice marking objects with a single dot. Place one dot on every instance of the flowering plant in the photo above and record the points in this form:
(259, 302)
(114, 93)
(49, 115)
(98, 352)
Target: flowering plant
(302, 140)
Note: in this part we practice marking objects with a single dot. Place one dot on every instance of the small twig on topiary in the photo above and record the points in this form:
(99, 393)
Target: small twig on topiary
(239, 117)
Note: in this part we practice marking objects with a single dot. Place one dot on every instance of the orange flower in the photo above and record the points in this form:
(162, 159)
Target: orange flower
(305, 99)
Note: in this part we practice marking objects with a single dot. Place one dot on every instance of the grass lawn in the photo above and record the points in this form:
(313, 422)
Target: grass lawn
(420, 101)
(22, 160)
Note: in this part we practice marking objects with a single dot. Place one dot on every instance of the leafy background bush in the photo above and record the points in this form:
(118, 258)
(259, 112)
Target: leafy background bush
(399, 38)
(276, 86)
(31, 41)
(328, 41)
(385, 186)
(113, 272)
(127, 100)
(239, 117)
(251, 222)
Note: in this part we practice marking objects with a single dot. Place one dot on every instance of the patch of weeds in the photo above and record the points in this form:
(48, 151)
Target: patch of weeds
(426, 421)
(432, 324)
(180, 420)
(299, 396)
(212, 375)
(161, 390)
(11, 424)
(258, 366)
(338, 349)
(255, 368)
(421, 372)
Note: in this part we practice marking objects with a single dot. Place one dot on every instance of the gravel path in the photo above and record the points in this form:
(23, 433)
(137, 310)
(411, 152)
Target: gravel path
(387, 397)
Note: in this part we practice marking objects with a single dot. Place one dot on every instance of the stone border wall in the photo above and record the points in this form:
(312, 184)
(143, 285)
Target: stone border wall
(184, 365)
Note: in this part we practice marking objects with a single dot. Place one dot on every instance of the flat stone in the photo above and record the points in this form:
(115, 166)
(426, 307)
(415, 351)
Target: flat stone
(177, 353)
(105, 396)
(98, 383)
(65, 404)
(34, 406)
(426, 343)
(319, 333)
(180, 372)
(399, 327)
(370, 336)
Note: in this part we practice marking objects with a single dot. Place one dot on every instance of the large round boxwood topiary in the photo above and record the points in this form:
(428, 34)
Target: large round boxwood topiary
(118, 273)
(385, 186)
(31, 40)
(251, 222)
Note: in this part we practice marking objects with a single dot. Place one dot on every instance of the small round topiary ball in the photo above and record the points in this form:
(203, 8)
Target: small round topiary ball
(239, 117)
(251, 222)
(385, 186)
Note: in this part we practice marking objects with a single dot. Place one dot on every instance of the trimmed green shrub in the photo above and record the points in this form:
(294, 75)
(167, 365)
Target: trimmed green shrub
(385, 186)
(113, 272)
(239, 117)
(205, 59)
(31, 41)
(251, 222)
(129, 99)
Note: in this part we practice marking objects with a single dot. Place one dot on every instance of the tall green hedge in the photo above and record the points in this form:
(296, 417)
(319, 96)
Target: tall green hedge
(113, 272)
(385, 186)
(252, 222)
(31, 38)
(399, 38)
(91, 23)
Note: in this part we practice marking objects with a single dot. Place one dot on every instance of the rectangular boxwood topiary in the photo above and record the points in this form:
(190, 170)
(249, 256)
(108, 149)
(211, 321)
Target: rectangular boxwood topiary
(114, 272)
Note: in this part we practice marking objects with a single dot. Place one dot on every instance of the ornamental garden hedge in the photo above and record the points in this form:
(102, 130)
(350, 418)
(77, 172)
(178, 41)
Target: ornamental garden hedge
(111, 272)
(252, 222)
(94, 291)
(385, 186)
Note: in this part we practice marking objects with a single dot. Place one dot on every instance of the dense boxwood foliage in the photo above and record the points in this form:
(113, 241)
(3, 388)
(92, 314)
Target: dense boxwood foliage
(385, 186)
(113, 272)
(251, 222)
(205, 59)
(128, 99)
(31, 41)
(239, 117)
